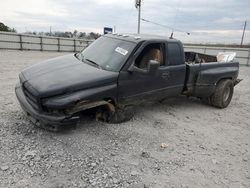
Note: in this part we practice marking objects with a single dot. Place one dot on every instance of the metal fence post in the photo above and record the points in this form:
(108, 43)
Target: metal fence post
(21, 42)
(88, 43)
(58, 39)
(74, 45)
(248, 61)
(41, 43)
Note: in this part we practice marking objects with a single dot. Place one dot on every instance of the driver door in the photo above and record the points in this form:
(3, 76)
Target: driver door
(137, 86)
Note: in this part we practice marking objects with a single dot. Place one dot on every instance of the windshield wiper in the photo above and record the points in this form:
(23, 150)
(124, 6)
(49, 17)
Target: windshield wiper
(97, 65)
(84, 60)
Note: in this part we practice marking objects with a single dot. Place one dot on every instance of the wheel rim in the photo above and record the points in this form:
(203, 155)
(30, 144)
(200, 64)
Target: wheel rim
(226, 94)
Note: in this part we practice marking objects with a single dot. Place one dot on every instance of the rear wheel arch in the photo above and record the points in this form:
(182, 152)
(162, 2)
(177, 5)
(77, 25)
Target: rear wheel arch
(221, 79)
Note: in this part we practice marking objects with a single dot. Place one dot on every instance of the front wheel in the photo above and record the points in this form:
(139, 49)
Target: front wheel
(118, 116)
(223, 94)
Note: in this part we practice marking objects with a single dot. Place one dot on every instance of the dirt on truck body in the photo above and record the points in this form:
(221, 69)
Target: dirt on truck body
(116, 72)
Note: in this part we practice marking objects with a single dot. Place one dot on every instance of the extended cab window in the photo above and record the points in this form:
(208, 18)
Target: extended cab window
(151, 52)
(174, 54)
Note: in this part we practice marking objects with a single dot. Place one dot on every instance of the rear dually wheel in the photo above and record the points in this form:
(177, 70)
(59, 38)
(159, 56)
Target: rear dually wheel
(223, 94)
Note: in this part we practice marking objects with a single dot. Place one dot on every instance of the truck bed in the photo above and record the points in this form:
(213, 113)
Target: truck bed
(195, 58)
(201, 78)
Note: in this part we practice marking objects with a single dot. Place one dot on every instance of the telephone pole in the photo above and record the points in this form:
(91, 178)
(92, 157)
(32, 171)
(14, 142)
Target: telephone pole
(50, 31)
(138, 6)
(243, 34)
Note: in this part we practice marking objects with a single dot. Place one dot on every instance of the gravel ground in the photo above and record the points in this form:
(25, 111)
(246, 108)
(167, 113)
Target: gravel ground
(201, 146)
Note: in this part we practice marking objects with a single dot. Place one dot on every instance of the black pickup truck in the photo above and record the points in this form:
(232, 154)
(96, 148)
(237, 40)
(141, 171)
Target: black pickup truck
(117, 72)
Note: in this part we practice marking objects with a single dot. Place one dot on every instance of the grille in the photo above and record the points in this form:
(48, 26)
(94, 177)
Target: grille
(31, 99)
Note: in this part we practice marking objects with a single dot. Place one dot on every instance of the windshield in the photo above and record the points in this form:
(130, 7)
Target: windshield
(107, 53)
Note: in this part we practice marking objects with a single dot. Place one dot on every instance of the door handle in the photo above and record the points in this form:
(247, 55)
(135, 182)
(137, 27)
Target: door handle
(165, 75)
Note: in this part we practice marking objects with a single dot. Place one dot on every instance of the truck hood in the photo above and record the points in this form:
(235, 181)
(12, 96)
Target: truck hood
(63, 74)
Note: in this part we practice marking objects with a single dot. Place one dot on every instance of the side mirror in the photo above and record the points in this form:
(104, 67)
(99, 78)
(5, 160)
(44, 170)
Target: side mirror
(151, 68)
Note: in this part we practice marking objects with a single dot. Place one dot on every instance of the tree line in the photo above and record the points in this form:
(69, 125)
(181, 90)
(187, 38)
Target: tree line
(65, 34)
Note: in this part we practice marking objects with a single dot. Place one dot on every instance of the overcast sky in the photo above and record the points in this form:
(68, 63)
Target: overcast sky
(207, 21)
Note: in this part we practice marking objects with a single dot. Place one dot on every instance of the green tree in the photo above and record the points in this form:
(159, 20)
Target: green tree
(6, 28)
(93, 35)
(75, 33)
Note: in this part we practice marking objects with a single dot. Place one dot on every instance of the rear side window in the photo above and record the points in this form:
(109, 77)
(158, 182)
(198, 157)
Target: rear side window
(174, 54)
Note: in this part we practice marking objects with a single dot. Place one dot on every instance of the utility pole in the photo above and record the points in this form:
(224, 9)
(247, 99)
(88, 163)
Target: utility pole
(138, 6)
(243, 34)
(50, 31)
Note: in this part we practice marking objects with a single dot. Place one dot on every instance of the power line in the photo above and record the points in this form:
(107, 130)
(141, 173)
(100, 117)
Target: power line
(177, 11)
(165, 26)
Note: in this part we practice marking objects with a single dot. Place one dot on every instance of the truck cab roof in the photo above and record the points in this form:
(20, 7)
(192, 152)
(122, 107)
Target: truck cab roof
(137, 38)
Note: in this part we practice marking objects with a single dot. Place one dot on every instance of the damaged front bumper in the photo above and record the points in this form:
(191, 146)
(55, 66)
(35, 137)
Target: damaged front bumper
(42, 119)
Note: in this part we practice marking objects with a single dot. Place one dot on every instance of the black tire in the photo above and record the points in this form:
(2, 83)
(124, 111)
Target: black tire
(223, 94)
(119, 116)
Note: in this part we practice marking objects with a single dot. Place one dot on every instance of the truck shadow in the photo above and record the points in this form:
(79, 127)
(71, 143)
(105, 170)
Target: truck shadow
(88, 119)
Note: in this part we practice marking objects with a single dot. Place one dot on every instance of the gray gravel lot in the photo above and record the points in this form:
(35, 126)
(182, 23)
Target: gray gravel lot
(205, 146)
